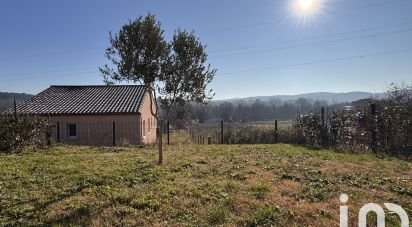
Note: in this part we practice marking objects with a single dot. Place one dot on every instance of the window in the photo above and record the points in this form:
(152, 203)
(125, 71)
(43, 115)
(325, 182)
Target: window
(71, 131)
(149, 125)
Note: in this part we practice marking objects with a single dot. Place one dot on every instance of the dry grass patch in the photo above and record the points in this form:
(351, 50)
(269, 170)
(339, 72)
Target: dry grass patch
(229, 185)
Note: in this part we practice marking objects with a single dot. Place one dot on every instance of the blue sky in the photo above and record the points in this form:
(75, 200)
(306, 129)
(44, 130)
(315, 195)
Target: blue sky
(259, 47)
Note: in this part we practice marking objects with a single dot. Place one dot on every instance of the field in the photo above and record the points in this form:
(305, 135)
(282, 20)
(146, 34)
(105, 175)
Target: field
(230, 185)
(242, 132)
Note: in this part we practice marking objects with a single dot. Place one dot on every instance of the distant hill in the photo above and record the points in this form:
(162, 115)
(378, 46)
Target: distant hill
(6, 99)
(323, 96)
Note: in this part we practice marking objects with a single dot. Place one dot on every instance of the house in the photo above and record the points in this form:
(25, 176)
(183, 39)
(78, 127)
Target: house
(95, 115)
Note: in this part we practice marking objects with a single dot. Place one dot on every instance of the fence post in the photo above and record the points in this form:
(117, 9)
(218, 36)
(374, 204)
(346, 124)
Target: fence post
(168, 132)
(373, 116)
(58, 132)
(114, 134)
(322, 129)
(276, 131)
(322, 116)
(15, 110)
(209, 140)
(221, 131)
(203, 141)
(298, 120)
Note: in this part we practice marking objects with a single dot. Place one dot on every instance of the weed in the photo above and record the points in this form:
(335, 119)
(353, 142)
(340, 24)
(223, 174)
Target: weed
(259, 190)
(145, 203)
(264, 216)
(217, 215)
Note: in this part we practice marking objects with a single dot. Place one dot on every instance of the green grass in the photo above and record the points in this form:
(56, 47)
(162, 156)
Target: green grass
(246, 185)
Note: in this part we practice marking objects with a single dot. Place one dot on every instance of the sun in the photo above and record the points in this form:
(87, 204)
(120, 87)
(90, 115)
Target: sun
(305, 5)
(307, 10)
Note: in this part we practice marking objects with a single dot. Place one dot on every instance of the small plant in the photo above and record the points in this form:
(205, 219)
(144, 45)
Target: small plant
(217, 215)
(147, 204)
(264, 216)
(286, 176)
(259, 190)
(124, 210)
(238, 176)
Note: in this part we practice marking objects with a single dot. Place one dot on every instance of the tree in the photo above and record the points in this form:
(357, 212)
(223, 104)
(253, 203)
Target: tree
(226, 111)
(174, 72)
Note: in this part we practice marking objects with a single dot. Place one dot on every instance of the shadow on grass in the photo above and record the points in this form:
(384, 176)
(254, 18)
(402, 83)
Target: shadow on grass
(18, 218)
(380, 155)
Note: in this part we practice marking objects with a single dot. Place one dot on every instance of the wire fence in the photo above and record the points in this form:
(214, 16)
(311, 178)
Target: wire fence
(241, 132)
(378, 128)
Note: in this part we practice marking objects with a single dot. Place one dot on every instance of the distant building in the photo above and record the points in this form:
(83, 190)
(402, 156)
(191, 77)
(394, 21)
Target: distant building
(95, 115)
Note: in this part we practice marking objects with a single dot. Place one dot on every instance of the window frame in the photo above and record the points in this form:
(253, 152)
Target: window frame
(69, 135)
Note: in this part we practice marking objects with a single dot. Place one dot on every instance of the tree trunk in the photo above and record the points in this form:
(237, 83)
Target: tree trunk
(160, 142)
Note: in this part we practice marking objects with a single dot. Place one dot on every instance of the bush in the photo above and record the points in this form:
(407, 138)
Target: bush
(387, 130)
(17, 132)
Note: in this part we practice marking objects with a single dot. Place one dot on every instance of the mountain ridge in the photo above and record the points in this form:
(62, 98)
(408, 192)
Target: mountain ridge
(331, 97)
(7, 99)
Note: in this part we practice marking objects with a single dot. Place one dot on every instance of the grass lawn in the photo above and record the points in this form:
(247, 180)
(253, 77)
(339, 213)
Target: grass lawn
(229, 185)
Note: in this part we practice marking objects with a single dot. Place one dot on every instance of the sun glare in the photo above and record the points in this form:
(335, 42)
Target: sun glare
(307, 10)
(305, 5)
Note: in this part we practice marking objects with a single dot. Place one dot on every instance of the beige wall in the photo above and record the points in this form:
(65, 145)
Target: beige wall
(148, 121)
(97, 130)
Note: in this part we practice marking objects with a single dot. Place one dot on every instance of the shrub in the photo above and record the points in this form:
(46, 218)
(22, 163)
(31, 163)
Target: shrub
(386, 130)
(15, 133)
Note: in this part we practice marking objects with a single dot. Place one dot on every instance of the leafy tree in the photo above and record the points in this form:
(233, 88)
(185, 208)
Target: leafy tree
(174, 72)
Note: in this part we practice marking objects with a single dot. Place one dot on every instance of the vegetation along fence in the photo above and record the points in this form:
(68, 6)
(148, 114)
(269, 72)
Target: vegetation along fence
(241, 133)
(377, 127)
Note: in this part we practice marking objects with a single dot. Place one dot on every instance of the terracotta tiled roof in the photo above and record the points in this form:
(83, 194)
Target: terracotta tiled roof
(67, 100)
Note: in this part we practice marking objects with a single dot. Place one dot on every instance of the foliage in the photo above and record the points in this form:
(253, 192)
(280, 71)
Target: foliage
(265, 216)
(175, 73)
(245, 133)
(388, 129)
(139, 52)
(217, 215)
(347, 128)
(259, 190)
(255, 110)
(15, 133)
(187, 73)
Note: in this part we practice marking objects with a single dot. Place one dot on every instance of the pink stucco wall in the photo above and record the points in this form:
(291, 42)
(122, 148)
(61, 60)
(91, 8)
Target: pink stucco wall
(97, 130)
